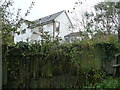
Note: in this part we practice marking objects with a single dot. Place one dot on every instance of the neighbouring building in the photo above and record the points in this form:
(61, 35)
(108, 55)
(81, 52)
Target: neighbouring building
(74, 36)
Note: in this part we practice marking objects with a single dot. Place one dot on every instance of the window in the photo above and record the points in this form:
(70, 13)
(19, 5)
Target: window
(40, 29)
(57, 26)
(23, 31)
(67, 39)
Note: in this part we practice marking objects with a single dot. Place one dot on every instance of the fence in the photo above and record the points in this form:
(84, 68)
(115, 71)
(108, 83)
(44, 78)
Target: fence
(56, 69)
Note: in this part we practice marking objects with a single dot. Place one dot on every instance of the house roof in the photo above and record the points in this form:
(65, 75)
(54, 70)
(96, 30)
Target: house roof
(49, 18)
(73, 34)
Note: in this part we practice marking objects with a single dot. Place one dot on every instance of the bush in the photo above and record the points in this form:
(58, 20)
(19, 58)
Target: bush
(108, 82)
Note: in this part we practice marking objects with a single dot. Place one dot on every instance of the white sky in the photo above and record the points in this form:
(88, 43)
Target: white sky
(46, 7)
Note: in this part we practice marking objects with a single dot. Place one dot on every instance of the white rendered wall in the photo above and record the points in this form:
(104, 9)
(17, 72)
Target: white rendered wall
(22, 37)
(29, 33)
(48, 28)
(64, 25)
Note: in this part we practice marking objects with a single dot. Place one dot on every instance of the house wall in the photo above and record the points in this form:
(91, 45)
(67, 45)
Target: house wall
(64, 25)
(35, 36)
(22, 37)
(48, 28)
(29, 33)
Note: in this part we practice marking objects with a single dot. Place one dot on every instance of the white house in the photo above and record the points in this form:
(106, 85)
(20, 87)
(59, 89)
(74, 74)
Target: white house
(58, 24)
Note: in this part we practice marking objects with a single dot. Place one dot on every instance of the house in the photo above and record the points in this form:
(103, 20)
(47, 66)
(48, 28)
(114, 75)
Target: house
(57, 24)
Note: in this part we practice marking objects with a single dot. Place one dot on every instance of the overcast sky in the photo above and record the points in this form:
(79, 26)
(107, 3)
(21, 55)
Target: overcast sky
(46, 7)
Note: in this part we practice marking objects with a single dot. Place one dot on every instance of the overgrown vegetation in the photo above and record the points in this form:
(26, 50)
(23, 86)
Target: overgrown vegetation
(108, 82)
(29, 62)
(51, 64)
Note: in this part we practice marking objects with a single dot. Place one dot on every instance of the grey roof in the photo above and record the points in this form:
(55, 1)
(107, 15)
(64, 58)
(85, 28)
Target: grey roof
(49, 18)
(73, 34)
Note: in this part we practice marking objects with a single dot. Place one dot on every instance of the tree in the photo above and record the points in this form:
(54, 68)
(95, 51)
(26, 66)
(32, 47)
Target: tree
(107, 16)
(104, 18)
(84, 21)
(9, 23)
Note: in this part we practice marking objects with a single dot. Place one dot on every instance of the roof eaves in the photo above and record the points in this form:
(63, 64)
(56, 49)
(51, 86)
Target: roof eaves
(44, 23)
(69, 19)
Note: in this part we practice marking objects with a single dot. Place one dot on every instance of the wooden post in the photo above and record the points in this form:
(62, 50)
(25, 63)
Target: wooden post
(0, 59)
(117, 65)
(4, 73)
(118, 68)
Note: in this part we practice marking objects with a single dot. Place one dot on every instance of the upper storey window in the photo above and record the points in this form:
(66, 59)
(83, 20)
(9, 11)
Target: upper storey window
(57, 26)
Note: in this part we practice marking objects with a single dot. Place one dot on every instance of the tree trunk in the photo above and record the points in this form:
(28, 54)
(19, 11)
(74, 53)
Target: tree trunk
(119, 26)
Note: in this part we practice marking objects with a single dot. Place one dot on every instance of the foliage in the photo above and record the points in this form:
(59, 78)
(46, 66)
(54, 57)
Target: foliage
(107, 82)
(109, 50)
(49, 59)
(105, 18)
(9, 20)
(107, 15)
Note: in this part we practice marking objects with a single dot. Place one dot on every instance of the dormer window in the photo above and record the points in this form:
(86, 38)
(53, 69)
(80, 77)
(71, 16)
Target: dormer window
(57, 26)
